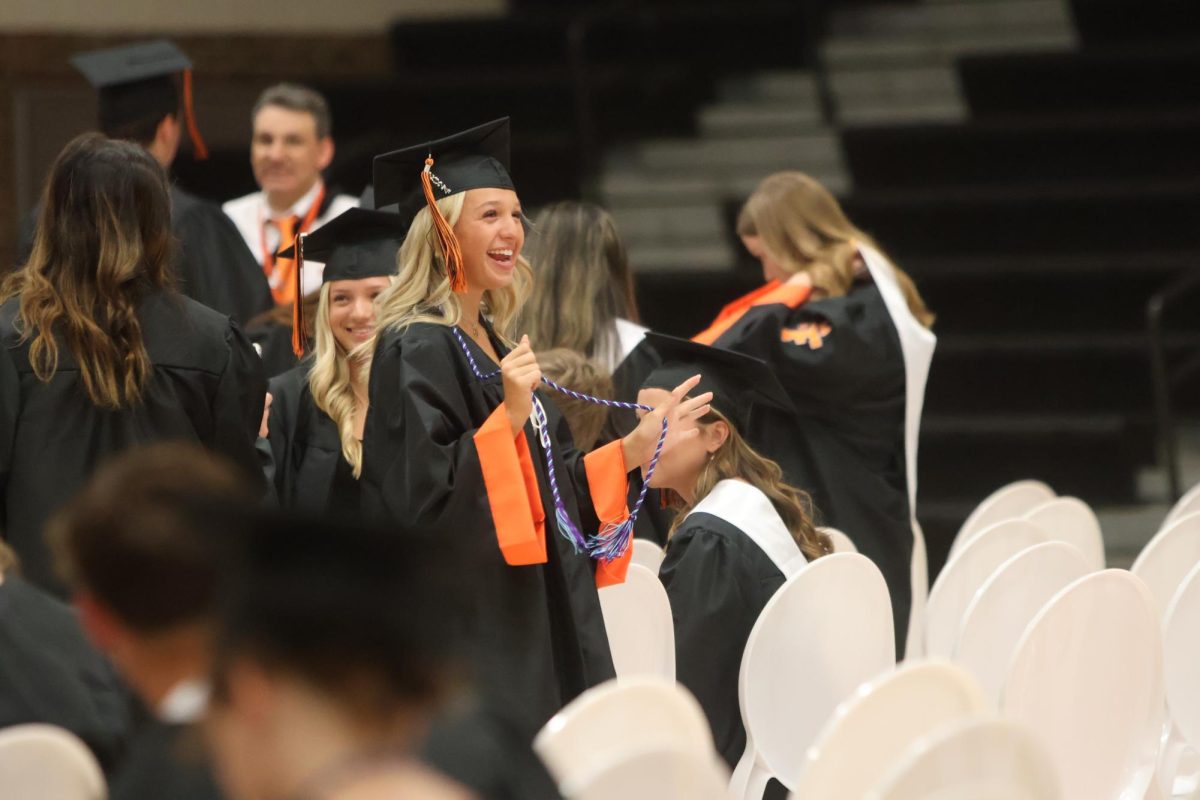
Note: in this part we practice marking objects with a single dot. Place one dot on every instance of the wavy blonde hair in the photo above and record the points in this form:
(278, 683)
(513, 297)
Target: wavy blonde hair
(103, 239)
(421, 291)
(736, 459)
(332, 382)
(804, 228)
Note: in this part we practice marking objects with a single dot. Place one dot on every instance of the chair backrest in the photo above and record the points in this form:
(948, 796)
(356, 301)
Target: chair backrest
(1188, 504)
(47, 761)
(965, 572)
(823, 634)
(641, 631)
(1181, 653)
(1087, 675)
(648, 554)
(840, 541)
(661, 772)
(975, 759)
(1007, 502)
(1070, 520)
(1167, 558)
(1007, 602)
(875, 726)
(618, 718)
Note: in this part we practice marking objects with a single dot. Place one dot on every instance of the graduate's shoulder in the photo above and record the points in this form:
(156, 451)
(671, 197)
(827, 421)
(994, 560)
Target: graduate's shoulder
(292, 383)
(417, 340)
(179, 331)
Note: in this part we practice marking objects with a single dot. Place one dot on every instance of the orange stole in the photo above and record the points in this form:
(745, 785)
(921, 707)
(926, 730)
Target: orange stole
(788, 294)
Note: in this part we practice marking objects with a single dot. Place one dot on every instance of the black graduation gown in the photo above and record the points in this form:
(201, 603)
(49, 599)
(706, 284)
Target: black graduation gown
(50, 673)
(214, 267)
(310, 473)
(165, 760)
(206, 386)
(537, 639)
(718, 581)
(840, 360)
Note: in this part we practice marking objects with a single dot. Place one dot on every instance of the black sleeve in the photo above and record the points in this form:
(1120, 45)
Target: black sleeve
(238, 404)
(419, 457)
(713, 613)
(10, 401)
(827, 352)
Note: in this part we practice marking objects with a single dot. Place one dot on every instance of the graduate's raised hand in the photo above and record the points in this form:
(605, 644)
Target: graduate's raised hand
(681, 413)
(521, 375)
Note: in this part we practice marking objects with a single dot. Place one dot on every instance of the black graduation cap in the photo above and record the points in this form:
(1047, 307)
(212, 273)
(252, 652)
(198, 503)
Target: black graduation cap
(477, 158)
(738, 382)
(141, 81)
(358, 243)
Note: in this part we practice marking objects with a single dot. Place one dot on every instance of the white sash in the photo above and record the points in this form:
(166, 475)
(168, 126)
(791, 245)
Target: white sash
(750, 511)
(916, 345)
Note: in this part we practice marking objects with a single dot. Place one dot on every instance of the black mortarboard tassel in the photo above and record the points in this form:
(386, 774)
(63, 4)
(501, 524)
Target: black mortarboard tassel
(738, 382)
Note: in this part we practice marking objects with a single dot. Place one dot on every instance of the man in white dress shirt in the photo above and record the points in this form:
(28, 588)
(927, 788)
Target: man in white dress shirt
(292, 143)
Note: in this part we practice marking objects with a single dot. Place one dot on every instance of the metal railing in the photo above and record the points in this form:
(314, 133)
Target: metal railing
(1166, 377)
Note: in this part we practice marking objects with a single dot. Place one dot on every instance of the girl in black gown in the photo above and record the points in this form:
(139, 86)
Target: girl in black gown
(740, 533)
(99, 353)
(318, 408)
(449, 444)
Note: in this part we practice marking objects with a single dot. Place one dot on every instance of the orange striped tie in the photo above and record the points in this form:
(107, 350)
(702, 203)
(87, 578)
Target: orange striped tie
(280, 275)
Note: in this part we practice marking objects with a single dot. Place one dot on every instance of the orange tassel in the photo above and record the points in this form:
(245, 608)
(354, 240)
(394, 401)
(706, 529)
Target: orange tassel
(451, 251)
(299, 334)
(189, 116)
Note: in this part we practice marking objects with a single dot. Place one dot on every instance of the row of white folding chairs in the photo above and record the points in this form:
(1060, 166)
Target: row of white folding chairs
(998, 581)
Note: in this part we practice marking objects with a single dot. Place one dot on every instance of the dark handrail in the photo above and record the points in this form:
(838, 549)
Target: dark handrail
(1161, 377)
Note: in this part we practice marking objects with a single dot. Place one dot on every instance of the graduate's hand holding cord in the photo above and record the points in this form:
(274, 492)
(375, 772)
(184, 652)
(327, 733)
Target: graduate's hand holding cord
(681, 413)
(521, 375)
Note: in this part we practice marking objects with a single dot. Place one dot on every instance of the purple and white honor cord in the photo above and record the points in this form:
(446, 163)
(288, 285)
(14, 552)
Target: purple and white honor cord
(610, 542)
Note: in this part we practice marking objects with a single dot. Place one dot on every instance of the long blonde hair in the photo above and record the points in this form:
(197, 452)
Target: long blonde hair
(333, 383)
(735, 459)
(804, 227)
(103, 239)
(421, 291)
(582, 283)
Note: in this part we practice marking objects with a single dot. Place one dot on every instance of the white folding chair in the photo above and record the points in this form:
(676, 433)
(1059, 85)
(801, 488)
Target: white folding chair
(641, 631)
(1181, 655)
(46, 761)
(965, 572)
(648, 554)
(1167, 558)
(877, 724)
(662, 773)
(1070, 520)
(1188, 504)
(616, 719)
(1007, 502)
(824, 633)
(975, 759)
(1007, 602)
(840, 541)
(1088, 676)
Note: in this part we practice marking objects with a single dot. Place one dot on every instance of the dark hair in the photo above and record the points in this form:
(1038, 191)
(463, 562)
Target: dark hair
(103, 238)
(295, 97)
(142, 535)
(368, 617)
(582, 281)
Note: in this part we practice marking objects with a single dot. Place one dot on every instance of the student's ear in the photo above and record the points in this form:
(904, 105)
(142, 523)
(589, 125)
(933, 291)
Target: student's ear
(101, 625)
(715, 435)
